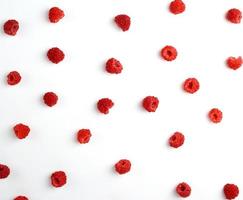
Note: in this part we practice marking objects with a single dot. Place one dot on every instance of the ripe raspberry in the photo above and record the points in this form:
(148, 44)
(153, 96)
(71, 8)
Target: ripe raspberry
(21, 131)
(176, 140)
(231, 191)
(169, 53)
(191, 85)
(11, 27)
(55, 14)
(150, 103)
(21, 198)
(83, 136)
(183, 190)
(177, 7)
(123, 21)
(215, 115)
(104, 105)
(113, 66)
(50, 99)
(58, 179)
(13, 78)
(234, 15)
(4, 171)
(234, 63)
(55, 55)
(123, 166)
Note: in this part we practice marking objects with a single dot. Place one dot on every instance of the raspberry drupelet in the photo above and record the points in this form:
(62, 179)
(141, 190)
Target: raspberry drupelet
(50, 99)
(58, 179)
(168, 53)
(21, 130)
(104, 105)
(55, 14)
(83, 136)
(55, 55)
(11, 27)
(176, 140)
(113, 66)
(123, 166)
(13, 78)
(191, 85)
(231, 191)
(215, 115)
(177, 7)
(183, 190)
(150, 103)
(4, 171)
(234, 15)
(123, 22)
(234, 62)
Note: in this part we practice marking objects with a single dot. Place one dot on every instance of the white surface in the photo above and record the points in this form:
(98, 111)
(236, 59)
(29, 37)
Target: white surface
(211, 155)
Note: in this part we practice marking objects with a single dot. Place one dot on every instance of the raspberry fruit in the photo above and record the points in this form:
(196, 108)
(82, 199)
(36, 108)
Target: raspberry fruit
(21, 130)
(11, 27)
(176, 140)
(21, 198)
(55, 55)
(113, 66)
(123, 166)
(191, 85)
(150, 103)
(58, 179)
(234, 15)
(104, 105)
(123, 21)
(4, 171)
(231, 191)
(215, 115)
(234, 63)
(183, 190)
(169, 53)
(50, 99)
(13, 78)
(55, 14)
(177, 7)
(83, 136)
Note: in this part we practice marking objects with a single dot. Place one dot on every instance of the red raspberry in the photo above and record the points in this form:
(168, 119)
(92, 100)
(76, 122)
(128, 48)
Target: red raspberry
(123, 21)
(234, 63)
(191, 85)
(176, 140)
(113, 66)
(123, 166)
(183, 190)
(231, 191)
(13, 78)
(83, 136)
(58, 179)
(177, 7)
(215, 115)
(55, 14)
(234, 15)
(104, 105)
(21, 131)
(4, 171)
(55, 55)
(50, 99)
(150, 103)
(21, 198)
(169, 53)
(11, 27)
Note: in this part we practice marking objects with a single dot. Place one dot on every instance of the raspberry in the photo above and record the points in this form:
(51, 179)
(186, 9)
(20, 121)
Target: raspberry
(21, 130)
(21, 198)
(123, 21)
(58, 179)
(11, 27)
(177, 7)
(4, 171)
(234, 63)
(215, 115)
(231, 191)
(176, 140)
(50, 99)
(13, 78)
(183, 190)
(83, 136)
(234, 15)
(191, 85)
(55, 55)
(104, 105)
(150, 103)
(113, 66)
(169, 53)
(55, 14)
(123, 166)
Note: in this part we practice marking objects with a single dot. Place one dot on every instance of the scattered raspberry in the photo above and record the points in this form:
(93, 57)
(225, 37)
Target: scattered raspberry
(104, 105)
(21, 198)
(11, 27)
(58, 179)
(123, 21)
(21, 131)
(150, 103)
(183, 190)
(55, 14)
(176, 140)
(83, 136)
(234, 63)
(114, 66)
(177, 7)
(4, 171)
(123, 166)
(231, 191)
(50, 99)
(169, 53)
(13, 78)
(191, 85)
(234, 16)
(55, 55)
(215, 115)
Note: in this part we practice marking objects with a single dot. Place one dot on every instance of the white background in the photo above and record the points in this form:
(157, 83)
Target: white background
(212, 153)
